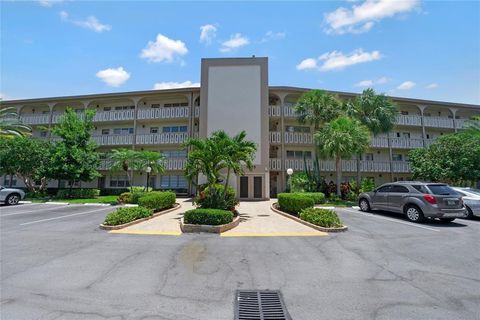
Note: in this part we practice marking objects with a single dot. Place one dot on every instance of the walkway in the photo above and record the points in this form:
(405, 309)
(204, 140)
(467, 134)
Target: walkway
(256, 220)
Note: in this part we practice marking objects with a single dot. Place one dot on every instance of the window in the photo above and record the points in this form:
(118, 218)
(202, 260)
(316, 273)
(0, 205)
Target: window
(297, 129)
(398, 134)
(107, 108)
(397, 157)
(166, 129)
(173, 182)
(420, 188)
(399, 189)
(7, 181)
(369, 156)
(174, 153)
(153, 129)
(123, 131)
(119, 181)
(428, 136)
(175, 129)
(426, 114)
(45, 112)
(384, 189)
(405, 113)
(102, 156)
(442, 189)
(155, 105)
(299, 154)
(43, 134)
(105, 131)
(124, 107)
(179, 104)
(406, 135)
(183, 128)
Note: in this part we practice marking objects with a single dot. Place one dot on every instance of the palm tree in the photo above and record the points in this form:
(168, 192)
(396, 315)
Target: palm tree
(10, 124)
(152, 160)
(342, 138)
(239, 154)
(376, 112)
(125, 160)
(316, 107)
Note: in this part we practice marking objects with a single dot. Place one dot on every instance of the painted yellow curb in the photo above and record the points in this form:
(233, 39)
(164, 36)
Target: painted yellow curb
(275, 234)
(148, 232)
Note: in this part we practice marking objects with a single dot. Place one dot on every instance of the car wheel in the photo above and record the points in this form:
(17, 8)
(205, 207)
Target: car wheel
(469, 213)
(364, 205)
(12, 199)
(414, 214)
(447, 219)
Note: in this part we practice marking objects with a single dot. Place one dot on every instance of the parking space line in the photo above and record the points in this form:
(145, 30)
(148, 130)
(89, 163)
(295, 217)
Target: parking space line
(147, 232)
(392, 220)
(275, 234)
(468, 221)
(32, 211)
(65, 216)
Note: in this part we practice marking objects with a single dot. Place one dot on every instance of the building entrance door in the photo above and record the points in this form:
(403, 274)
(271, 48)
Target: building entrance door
(244, 187)
(257, 187)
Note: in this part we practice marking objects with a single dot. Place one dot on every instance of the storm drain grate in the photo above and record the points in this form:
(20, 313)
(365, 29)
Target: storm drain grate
(260, 305)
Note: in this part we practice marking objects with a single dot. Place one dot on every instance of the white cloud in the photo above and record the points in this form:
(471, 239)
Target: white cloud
(48, 3)
(407, 85)
(362, 17)
(163, 49)
(207, 33)
(90, 22)
(336, 60)
(175, 85)
(113, 77)
(236, 41)
(432, 86)
(370, 83)
(270, 35)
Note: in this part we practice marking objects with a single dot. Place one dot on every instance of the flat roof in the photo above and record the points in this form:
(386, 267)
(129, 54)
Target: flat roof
(197, 89)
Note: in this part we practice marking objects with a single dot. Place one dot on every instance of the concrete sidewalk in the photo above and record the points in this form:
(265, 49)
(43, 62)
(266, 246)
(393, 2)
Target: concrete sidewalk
(256, 220)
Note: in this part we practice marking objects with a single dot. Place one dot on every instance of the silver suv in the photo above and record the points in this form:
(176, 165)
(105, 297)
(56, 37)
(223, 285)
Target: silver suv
(10, 196)
(417, 200)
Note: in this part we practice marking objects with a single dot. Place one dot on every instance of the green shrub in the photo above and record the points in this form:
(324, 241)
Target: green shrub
(78, 193)
(351, 196)
(321, 217)
(113, 191)
(318, 197)
(157, 200)
(215, 200)
(135, 195)
(212, 217)
(125, 197)
(367, 185)
(125, 215)
(294, 202)
(332, 198)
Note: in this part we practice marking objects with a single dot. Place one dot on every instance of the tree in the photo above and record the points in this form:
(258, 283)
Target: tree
(74, 157)
(452, 158)
(473, 125)
(124, 160)
(27, 158)
(342, 138)
(376, 112)
(316, 107)
(152, 160)
(10, 124)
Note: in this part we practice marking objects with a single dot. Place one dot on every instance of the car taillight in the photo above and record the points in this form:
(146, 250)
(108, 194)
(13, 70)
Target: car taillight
(430, 199)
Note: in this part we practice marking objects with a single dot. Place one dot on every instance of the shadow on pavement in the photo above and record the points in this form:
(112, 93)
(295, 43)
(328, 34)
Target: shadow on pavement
(457, 223)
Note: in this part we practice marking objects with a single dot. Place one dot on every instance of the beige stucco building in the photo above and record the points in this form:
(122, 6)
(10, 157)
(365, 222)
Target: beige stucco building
(234, 95)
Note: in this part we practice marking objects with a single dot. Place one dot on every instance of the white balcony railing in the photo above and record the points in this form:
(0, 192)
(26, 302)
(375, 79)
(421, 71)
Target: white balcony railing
(170, 164)
(438, 122)
(164, 113)
(35, 119)
(408, 120)
(275, 137)
(406, 143)
(197, 112)
(298, 138)
(274, 111)
(114, 115)
(288, 111)
(113, 140)
(162, 138)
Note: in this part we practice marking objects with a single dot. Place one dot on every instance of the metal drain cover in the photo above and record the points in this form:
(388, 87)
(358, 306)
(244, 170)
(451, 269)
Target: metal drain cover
(260, 305)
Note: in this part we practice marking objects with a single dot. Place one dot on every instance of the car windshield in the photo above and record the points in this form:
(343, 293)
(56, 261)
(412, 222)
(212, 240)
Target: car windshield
(442, 189)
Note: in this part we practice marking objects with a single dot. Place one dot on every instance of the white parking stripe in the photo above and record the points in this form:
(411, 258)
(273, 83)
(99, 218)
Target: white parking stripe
(65, 216)
(468, 221)
(33, 211)
(392, 220)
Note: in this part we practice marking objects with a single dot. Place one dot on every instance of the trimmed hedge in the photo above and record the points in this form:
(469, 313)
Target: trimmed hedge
(125, 197)
(318, 197)
(294, 202)
(213, 217)
(135, 196)
(321, 217)
(78, 193)
(125, 215)
(157, 200)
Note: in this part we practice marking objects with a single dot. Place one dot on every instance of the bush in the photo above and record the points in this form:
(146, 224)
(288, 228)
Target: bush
(332, 198)
(294, 202)
(321, 217)
(318, 197)
(367, 185)
(136, 195)
(125, 215)
(79, 193)
(212, 217)
(157, 200)
(113, 191)
(125, 197)
(214, 200)
(36, 195)
(351, 196)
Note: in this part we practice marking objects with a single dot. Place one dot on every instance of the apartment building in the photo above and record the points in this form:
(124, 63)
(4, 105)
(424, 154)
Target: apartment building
(234, 95)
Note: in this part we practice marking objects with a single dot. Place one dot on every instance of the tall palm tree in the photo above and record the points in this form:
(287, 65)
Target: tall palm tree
(316, 107)
(376, 112)
(125, 160)
(10, 124)
(152, 160)
(342, 138)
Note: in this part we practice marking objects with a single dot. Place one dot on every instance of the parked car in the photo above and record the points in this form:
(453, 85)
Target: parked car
(471, 198)
(10, 196)
(417, 200)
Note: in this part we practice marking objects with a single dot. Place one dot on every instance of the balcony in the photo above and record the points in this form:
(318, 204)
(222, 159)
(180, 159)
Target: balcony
(275, 164)
(274, 111)
(113, 140)
(438, 122)
(170, 164)
(408, 120)
(164, 113)
(35, 119)
(291, 137)
(114, 115)
(162, 138)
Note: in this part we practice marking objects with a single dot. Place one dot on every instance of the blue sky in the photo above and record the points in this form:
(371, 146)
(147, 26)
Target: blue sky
(410, 48)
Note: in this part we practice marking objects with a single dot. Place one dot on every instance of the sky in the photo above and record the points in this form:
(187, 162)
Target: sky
(407, 48)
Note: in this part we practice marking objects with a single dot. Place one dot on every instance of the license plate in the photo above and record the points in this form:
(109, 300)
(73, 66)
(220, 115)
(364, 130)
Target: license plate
(451, 202)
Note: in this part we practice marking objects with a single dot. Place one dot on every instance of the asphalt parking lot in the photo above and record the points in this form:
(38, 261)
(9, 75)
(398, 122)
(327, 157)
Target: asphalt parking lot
(57, 264)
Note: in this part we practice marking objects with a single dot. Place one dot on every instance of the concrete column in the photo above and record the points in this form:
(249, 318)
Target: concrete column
(135, 101)
(454, 112)
(424, 135)
(51, 105)
(282, 185)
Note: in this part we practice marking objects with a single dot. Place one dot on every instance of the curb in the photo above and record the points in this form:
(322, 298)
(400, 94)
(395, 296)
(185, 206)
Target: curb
(156, 214)
(209, 228)
(308, 224)
(24, 202)
(59, 203)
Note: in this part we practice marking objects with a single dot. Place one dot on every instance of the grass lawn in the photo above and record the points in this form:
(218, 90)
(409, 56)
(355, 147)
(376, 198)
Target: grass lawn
(100, 199)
